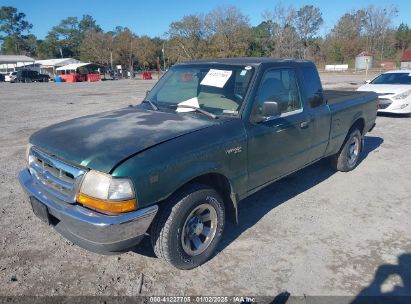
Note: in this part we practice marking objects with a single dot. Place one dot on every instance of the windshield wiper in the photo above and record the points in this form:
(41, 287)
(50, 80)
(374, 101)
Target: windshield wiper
(152, 104)
(196, 109)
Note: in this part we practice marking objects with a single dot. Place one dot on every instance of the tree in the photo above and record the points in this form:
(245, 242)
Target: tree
(283, 31)
(403, 37)
(47, 48)
(159, 50)
(146, 54)
(14, 25)
(229, 31)
(87, 23)
(261, 44)
(308, 22)
(64, 40)
(377, 24)
(97, 47)
(66, 37)
(124, 47)
(188, 38)
(345, 39)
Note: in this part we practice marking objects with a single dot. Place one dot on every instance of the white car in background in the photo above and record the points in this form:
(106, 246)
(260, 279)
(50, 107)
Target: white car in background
(10, 77)
(394, 91)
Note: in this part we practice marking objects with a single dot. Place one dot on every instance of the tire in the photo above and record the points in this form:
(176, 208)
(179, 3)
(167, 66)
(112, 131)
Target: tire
(347, 158)
(177, 228)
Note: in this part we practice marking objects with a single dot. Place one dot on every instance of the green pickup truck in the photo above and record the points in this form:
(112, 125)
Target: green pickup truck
(209, 134)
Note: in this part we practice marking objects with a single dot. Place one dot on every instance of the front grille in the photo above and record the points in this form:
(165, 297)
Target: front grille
(384, 103)
(54, 176)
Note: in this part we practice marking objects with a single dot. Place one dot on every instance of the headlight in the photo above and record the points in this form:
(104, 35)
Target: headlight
(103, 192)
(402, 95)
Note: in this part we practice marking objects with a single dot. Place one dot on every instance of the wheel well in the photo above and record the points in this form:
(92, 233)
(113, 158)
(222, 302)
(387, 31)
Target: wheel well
(222, 185)
(360, 124)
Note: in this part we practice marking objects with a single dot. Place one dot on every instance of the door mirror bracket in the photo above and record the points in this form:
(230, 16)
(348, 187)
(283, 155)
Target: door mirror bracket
(270, 109)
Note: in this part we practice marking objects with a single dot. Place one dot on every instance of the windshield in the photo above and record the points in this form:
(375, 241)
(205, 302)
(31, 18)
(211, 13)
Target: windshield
(393, 78)
(216, 89)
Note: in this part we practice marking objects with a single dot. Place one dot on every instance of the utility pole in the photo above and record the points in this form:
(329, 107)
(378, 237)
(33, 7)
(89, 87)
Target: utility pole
(158, 67)
(366, 68)
(382, 48)
(131, 58)
(164, 58)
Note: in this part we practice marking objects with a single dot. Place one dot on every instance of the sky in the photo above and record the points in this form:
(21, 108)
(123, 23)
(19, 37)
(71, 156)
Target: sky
(152, 18)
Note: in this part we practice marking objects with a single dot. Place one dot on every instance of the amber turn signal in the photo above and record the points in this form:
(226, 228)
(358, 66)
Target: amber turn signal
(106, 205)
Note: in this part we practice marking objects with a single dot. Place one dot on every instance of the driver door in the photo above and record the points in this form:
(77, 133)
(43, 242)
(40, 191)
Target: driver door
(277, 145)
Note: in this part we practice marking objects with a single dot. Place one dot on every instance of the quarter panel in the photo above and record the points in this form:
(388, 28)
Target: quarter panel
(344, 114)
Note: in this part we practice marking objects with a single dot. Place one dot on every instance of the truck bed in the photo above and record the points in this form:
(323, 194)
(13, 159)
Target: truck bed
(334, 96)
(345, 107)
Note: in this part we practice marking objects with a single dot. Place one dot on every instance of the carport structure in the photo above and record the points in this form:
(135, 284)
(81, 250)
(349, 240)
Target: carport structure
(50, 65)
(81, 71)
(10, 63)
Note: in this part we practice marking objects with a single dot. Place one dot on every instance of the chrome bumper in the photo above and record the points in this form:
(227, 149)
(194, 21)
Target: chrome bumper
(89, 229)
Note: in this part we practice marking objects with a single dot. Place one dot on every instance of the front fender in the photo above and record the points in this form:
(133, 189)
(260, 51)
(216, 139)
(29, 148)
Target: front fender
(158, 172)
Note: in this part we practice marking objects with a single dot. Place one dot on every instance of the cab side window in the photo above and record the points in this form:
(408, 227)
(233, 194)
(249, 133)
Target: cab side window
(313, 87)
(279, 85)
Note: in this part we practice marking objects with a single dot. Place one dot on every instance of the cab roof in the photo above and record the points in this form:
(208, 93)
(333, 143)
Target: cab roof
(252, 61)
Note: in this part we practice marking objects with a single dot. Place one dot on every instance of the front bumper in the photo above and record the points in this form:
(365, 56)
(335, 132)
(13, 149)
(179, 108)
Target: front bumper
(92, 230)
(389, 105)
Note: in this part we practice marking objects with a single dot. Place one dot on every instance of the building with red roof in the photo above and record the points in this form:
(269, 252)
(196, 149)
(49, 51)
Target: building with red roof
(406, 59)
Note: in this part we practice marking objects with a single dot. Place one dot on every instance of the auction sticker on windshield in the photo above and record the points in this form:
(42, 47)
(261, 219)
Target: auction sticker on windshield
(216, 78)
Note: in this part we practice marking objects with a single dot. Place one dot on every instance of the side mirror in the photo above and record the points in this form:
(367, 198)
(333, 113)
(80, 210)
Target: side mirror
(367, 81)
(147, 92)
(316, 101)
(270, 108)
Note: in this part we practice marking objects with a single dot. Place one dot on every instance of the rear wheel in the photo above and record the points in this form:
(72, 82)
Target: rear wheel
(347, 158)
(188, 228)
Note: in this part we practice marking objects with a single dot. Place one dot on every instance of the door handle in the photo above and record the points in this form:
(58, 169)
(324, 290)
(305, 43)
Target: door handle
(304, 124)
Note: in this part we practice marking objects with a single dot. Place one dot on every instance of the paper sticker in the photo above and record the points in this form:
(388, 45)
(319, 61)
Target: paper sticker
(216, 78)
(189, 102)
(243, 72)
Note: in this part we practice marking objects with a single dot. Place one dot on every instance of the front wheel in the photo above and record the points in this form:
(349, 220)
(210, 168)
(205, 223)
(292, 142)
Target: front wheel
(188, 228)
(347, 158)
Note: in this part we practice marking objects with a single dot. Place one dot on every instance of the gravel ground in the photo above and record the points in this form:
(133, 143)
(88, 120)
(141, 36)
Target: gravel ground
(315, 233)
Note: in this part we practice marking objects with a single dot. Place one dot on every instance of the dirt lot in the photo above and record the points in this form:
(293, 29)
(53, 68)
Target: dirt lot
(314, 233)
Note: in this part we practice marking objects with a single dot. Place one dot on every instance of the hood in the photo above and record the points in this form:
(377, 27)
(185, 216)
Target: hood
(101, 141)
(387, 89)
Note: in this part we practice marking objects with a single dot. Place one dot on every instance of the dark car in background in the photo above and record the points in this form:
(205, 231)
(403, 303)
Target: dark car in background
(30, 76)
